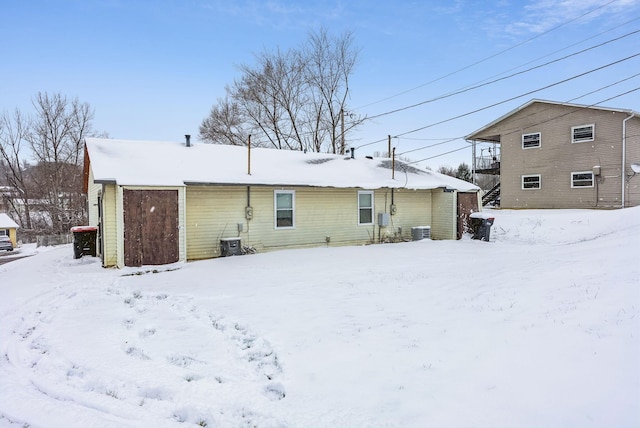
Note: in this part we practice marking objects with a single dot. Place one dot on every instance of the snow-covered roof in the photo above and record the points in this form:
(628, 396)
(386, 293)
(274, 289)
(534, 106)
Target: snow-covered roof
(474, 134)
(6, 222)
(157, 163)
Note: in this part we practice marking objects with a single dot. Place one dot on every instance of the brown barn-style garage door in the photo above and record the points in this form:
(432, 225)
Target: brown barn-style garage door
(150, 227)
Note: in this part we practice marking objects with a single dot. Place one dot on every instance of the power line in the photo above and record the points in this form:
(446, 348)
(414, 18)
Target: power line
(502, 78)
(523, 95)
(556, 51)
(535, 124)
(571, 111)
(494, 55)
(449, 140)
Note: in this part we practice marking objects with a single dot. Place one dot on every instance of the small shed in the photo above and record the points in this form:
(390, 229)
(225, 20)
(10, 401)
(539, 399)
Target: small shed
(8, 228)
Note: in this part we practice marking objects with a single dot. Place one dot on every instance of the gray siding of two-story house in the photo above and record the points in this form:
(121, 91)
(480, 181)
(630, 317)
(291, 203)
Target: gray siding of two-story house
(557, 157)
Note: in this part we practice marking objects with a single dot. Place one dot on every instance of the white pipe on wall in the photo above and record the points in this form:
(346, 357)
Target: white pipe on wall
(624, 155)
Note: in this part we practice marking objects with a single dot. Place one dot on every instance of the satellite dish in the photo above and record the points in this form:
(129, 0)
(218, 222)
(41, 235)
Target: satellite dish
(635, 167)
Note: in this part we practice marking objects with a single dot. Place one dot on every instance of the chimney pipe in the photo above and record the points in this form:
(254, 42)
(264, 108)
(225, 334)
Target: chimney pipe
(188, 140)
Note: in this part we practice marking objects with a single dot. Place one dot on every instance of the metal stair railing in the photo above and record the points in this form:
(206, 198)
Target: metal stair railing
(492, 195)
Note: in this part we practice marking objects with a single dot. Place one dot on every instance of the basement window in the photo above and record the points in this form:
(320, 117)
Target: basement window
(581, 179)
(530, 141)
(531, 182)
(284, 203)
(365, 207)
(583, 133)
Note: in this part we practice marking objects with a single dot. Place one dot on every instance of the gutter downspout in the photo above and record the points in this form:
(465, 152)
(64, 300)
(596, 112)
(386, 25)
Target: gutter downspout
(624, 155)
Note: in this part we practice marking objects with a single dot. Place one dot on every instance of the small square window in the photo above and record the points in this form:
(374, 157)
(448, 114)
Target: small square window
(365, 207)
(531, 182)
(580, 134)
(581, 179)
(530, 141)
(284, 209)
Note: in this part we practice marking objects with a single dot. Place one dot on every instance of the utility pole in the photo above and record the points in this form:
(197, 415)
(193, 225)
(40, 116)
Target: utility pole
(342, 131)
(393, 164)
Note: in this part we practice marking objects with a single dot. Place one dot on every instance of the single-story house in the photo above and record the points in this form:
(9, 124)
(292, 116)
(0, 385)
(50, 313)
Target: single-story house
(562, 155)
(8, 227)
(164, 202)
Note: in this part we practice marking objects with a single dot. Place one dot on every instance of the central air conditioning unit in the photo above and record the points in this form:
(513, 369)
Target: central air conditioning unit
(230, 247)
(419, 233)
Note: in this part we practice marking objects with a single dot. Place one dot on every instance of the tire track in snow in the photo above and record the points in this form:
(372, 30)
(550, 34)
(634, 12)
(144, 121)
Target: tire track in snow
(130, 374)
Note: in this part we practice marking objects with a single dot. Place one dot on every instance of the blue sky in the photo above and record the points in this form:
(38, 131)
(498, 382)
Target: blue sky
(153, 69)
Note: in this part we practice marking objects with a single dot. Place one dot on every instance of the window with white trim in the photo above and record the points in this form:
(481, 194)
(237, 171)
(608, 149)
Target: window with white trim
(531, 182)
(365, 207)
(530, 141)
(583, 133)
(284, 205)
(581, 179)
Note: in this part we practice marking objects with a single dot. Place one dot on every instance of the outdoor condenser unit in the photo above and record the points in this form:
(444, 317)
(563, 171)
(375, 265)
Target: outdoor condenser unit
(230, 247)
(420, 232)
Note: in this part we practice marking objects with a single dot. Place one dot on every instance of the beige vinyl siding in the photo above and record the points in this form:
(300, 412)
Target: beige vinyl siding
(213, 213)
(444, 212)
(109, 226)
(413, 208)
(321, 214)
(93, 190)
(558, 157)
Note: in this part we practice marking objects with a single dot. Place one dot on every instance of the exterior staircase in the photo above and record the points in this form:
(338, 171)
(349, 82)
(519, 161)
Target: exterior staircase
(492, 196)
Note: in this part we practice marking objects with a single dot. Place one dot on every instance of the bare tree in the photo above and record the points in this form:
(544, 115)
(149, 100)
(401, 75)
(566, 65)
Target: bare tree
(13, 133)
(56, 138)
(329, 64)
(225, 124)
(293, 100)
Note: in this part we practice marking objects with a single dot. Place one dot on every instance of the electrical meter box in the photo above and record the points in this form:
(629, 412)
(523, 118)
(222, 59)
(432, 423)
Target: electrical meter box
(383, 219)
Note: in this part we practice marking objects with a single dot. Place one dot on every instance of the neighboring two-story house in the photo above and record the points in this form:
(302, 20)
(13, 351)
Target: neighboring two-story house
(561, 155)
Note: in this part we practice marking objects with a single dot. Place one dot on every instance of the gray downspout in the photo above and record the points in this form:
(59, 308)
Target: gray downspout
(624, 155)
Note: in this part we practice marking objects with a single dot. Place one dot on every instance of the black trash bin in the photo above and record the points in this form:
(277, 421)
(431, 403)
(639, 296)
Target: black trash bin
(481, 225)
(84, 241)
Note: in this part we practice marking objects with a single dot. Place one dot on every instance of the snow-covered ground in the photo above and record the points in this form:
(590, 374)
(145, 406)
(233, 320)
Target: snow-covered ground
(538, 328)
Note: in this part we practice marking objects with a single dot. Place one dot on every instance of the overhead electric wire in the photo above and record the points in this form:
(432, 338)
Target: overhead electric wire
(492, 56)
(470, 88)
(555, 52)
(593, 70)
(502, 102)
(555, 117)
(449, 140)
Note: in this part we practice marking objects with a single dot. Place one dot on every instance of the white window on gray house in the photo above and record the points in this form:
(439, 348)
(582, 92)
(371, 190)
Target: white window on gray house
(580, 134)
(365, 207)
(284, 202)
(530, 141)
(531, 182)
(581, 179)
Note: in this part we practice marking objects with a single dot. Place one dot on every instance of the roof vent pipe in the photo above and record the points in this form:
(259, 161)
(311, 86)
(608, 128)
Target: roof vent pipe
(188, 140)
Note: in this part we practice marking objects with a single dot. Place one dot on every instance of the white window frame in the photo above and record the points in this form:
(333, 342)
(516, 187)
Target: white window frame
(366, 192)
(573, 180)
(529, 134)
(292, 209)
(529, 176)
(583, 140)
